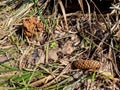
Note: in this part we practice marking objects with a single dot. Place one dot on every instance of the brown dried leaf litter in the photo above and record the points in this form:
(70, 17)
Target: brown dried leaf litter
(69, 49)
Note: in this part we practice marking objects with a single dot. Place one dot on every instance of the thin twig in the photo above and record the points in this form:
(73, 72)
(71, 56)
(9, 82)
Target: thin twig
(64, 14)
(65, 70)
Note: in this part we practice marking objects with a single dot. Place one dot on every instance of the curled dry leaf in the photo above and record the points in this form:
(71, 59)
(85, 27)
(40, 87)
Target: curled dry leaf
(32, 26)
(53, 54)
(41, 57)
(87, 64)
(3, 58)
(37, 57)
(68, 48)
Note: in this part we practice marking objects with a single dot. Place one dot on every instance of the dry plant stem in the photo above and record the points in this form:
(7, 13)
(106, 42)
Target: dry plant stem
(5, 88)
(115, 27)
(100, 40)
(64, 14)
(110, 56)
(5, 37)
(65, 70)
(12, 18)
(8, 74)
(103, 42)
(107, 26)
(99, 46)
(79, 14)
(72, 14)
(6, 47)
(81, 5)
(3, 2)
(36, 83)
(46, 52)
(45, 5)
(48, 78)
(56, 10)
(116, 7)
(89, 13)
(90, 84)
(46, 70)
(28, 6)
(113, 58)
(23, 56)
(54, 13)
(67, 36)
(22, 12)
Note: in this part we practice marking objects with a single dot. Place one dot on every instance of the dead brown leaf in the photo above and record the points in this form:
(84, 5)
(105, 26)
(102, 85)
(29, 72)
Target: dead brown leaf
(67, 48)
(53, 54)
(41, 58)
(37, 57)
(3, 58)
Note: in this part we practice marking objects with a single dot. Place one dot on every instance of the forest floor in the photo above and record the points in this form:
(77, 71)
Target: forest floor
(46, 45)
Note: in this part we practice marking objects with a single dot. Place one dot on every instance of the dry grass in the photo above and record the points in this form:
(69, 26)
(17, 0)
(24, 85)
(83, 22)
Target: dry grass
(46, 60)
